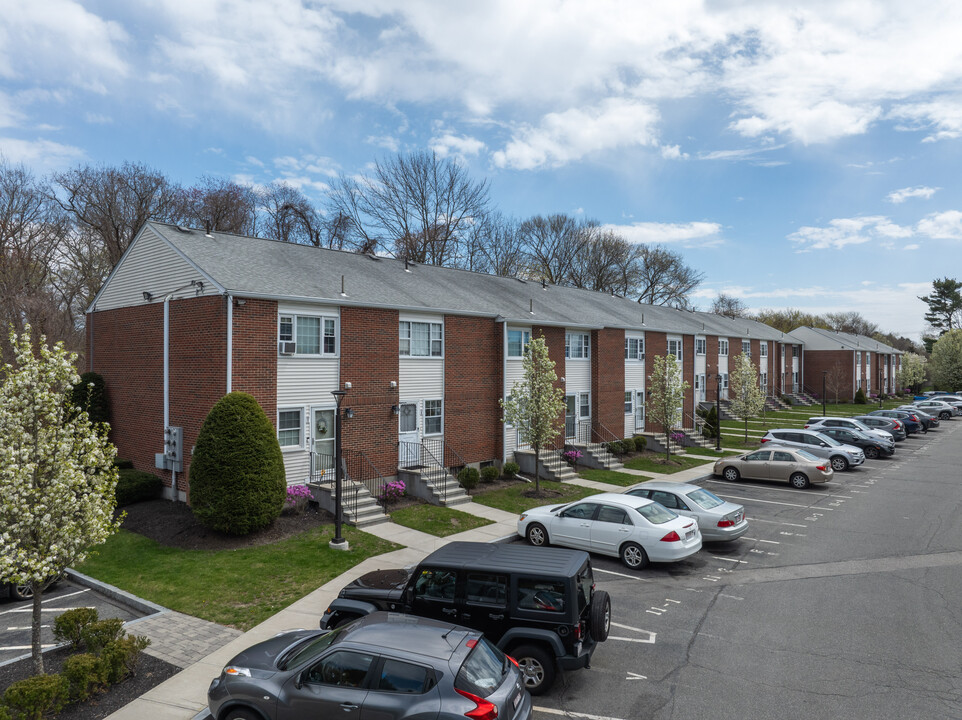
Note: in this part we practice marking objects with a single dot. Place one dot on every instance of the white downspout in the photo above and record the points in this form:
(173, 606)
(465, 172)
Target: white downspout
(230, 342)
(504, 382)
(173, 473)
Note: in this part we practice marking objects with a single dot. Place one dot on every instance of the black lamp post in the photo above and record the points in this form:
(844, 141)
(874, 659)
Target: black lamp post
(338, 542)
(824, 373)
(718, 380)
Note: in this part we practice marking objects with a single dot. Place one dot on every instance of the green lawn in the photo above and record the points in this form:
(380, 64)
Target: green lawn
(511, 500)
(612, 477)
(436, 520)
(239, 588)
(655, 462)
(708, 452)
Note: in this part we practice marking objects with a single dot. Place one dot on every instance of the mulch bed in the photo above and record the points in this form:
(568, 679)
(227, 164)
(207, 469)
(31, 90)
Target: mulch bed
(150, 673)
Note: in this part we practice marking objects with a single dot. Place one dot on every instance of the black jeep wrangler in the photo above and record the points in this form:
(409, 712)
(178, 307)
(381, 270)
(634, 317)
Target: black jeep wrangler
(538, 604)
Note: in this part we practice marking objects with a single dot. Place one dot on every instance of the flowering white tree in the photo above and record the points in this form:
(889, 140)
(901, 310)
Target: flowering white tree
(535, 404)
(946, 361)
(745, 398)
(666, 393)
(912, 372)
(57, 474)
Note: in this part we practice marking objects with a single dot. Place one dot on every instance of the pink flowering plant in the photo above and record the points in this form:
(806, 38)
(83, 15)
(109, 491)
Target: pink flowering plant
(571, 456)
(393, 491)
(678, 436)
(297, 498)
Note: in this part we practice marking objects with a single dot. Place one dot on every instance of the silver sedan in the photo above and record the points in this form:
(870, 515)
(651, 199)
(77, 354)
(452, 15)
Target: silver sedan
(717, 519)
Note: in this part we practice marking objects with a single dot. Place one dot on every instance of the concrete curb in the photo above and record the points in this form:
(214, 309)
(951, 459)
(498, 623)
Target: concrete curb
(115, 593)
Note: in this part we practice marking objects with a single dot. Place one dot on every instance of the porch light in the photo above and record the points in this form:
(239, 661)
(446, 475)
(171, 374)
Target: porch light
(395, 410)
(348, 413)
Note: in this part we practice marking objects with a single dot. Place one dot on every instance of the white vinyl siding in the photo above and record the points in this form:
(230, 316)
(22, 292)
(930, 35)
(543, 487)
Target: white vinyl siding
(577, 377)
(420, 378)
(151, 265)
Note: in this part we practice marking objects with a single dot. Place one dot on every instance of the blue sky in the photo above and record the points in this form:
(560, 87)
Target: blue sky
(802, 156)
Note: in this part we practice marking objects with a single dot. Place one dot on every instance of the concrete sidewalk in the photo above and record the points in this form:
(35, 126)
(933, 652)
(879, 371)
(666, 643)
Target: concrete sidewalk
(184, 696)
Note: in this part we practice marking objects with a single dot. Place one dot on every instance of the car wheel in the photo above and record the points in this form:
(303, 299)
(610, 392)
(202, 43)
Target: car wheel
(731, 474)
(537, 668)
(839, 464)
(798, 480)
(537, 535)
(633, 556)
(945, 415)
(21, 592)
(600, 615)
(344, 620)
(240, 714)
(871, 453)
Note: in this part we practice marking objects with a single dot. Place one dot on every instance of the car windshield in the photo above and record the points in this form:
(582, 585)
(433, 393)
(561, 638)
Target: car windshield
(807, 455)
(830, 440)
(306, 650)
(704, 498)
(656, 514)
(860, 425)
(483, 669)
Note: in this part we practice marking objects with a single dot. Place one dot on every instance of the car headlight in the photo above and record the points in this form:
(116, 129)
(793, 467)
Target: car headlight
(235, 671)
(523, 516)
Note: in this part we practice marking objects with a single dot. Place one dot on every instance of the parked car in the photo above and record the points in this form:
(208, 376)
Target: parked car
(385, 665)
(940, 408)
(718, 520)
(539, 605)
(873, 446)
(800, 467)
(927, 420)
(893, 427)
(635, 529)
(17, 592)
(908, 420)
(842, 457)
(818, 422)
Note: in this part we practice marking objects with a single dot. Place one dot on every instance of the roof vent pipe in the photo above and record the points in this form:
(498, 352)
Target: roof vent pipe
(406, 265)
(531, 307)
(207, 226)
(343, 293)
(544, 285)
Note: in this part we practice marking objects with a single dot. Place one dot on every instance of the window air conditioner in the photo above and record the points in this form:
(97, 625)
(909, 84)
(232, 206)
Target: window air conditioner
(286, 347)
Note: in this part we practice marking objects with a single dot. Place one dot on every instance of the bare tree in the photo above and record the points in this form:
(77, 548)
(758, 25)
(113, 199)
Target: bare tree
(606, 262)
(552, 244)
(494, 246)
(729, 306)
(416, 206)
(664, 278)
(850, 322)
(223, 205)
(836, 381)
(790, 318)
(289, 215)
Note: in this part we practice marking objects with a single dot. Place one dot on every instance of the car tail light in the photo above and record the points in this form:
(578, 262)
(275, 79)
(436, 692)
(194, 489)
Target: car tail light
(823, 468)
(483, 709)
(727, 522)
(765, 440)
(671, 537)
(471, 643)
(805, 426)
(579, 631)
(514, 661)
(898, 425)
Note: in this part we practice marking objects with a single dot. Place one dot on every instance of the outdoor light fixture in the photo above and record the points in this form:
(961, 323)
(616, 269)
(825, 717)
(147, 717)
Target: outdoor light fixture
(395, 410)
(348, 413)
(147, 296)
(240, 301)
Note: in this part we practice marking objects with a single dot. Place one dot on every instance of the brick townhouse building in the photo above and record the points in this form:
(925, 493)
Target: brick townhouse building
(424, 353)
(846, 363)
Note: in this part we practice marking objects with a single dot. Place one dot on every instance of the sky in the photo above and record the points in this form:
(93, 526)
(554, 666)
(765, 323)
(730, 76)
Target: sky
(799, 155)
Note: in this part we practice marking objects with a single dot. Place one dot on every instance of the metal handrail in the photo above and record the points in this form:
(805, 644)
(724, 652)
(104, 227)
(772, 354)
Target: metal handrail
(322, 473)
(361, 470)
(431, 469)
(604, 436)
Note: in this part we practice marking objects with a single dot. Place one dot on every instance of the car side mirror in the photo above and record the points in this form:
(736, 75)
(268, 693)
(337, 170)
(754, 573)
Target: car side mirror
(299, 680)
(823, 444)
(408, 596)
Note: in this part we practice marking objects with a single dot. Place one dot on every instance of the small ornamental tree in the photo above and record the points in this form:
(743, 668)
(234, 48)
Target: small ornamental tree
(57, 474)
(912, 373)
(946, 362)
(237, 479)
(535, 404)
(744, 395)
(666, 395)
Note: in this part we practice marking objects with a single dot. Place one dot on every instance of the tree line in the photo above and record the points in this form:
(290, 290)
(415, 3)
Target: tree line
(61, 235)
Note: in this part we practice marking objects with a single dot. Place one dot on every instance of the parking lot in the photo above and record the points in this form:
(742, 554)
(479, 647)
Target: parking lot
(16, 616)
(828, 607)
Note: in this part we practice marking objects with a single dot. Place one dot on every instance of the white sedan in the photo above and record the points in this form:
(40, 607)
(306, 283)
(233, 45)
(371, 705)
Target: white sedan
(636, 529)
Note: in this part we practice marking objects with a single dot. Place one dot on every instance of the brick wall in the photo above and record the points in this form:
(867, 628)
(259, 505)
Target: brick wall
(608, 382)
(369, 361)
(817, 361)
(255, 353)
(473, 383)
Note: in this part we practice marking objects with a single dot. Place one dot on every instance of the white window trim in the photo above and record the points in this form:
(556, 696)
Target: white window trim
(525, 340)
(747, 347)
(640, 339)
(578, 397)
(629, 403)
(424, 430)
(586, 346)
(704, 345)
(763, 349)
(322, 316)
(430, 324)
(301, 434)
(681, 348)
(722, 346)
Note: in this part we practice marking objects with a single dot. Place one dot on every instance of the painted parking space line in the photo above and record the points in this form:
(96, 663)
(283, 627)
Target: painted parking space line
(635, 676)
(47, 609)
(624, 575)
(743, 562)
(571, 714)
(24, 647)
(770, 542)
(779, 522)
(25, 627)
(775, 502)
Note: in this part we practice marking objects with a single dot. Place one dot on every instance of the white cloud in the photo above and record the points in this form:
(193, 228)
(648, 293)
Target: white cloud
(673, 152)
(942, 226)
(900, 196)
(572, 134)
(848, 231)
(692, 233)
(40, 154)
(462, 146)
(911, 246)
(388, 142)
(942, 115)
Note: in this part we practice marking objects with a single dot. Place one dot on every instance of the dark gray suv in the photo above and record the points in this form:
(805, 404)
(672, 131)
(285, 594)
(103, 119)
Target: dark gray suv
(539, 605)
(386, 666)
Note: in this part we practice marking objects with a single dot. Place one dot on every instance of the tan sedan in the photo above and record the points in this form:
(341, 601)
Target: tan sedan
(799, 467)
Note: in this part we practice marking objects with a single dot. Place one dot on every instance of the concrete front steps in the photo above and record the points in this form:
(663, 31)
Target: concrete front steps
(366, 513)
(594, 455)
(553, 467)
(435, 485)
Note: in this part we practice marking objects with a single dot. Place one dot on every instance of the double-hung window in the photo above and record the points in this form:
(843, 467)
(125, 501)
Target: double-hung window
(747, 347)
(420, 339)
(290, 427)
(432, 417)
(629, 407)
(724, 381)
(794, 350)
(310, 334)
(723, 347)
(634, 348)
(674, 348)
(576, 345)
(518, 342)
(584, 405)
(763, 349)
(701, 346)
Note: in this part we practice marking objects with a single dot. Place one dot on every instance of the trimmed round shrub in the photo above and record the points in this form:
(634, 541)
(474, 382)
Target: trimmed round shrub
(469, 478)
(90, 394)
(34, 697)
(237, 479)
(70, 625)
(490, 474)
(510, 469)
(83, 674)
(616, 447)
(123, 464)
(641, 442)
(136, 486)
(860, 397)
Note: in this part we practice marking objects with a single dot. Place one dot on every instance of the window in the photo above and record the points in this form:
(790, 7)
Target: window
(634, 348)
(344, 668)
(782, 457)
(584, 405)
(674, 348)
(420, 339)
(763, 380)
(408, 418)
(402, 677)
(629, 407)
(722, 347)
(576, 345)
(486, 588)
(701, 346)
(724, 381)
(747, 347)
(435, 584)
(543, 595)
(794, 350)
(306, 331)
(518, 342)
(763, 349)
(483, 671)
(432, 417)
(613, 515)
(669, 500)
(289, 427)
(858, 358)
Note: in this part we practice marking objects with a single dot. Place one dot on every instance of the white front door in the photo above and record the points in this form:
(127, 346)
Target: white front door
(322, 439)
(700, 387)
(409, 435)
(571, 416)
(639, 410)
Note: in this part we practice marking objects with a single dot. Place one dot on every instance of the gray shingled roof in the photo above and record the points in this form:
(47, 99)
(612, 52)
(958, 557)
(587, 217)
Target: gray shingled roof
(821, 339)
(268, 268)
